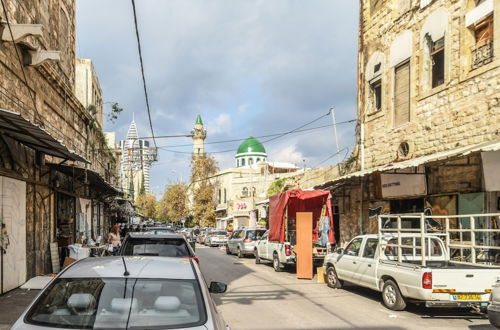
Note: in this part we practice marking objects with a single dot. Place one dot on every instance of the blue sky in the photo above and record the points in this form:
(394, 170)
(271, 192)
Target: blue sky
(249, 67)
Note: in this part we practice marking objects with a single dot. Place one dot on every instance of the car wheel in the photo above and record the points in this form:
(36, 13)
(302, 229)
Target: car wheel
(276, 263)
(257, 258)
(392, 296)
(332, 280)
(240, 254)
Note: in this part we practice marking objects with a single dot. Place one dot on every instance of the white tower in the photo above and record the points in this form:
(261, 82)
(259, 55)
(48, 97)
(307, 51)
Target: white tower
(199, 135)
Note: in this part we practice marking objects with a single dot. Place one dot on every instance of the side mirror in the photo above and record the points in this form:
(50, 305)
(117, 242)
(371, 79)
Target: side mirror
(217, 287)
(340, 251)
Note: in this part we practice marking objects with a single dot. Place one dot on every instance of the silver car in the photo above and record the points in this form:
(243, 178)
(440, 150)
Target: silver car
(126, 292)
(242, 241)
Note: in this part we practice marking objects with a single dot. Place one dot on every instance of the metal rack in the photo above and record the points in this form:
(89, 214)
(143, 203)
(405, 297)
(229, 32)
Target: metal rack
(457, 240)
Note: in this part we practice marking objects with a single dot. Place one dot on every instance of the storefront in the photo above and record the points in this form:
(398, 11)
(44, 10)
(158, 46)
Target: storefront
(460, 182)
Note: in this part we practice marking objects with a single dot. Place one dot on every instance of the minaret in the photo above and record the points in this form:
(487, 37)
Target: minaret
(199, 135)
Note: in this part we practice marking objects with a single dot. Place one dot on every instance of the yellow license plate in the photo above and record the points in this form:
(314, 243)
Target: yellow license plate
(466, 297)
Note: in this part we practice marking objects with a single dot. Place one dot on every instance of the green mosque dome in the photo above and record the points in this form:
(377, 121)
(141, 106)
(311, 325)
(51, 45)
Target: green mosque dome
(251, 145)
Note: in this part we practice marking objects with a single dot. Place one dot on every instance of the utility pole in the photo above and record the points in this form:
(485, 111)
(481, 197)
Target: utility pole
(332, 111)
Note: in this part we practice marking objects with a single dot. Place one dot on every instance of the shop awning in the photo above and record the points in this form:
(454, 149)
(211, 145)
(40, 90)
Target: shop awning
(95, 180)
(439, 156)
(12, 124)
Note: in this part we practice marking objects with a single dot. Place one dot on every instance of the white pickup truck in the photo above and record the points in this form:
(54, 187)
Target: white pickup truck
(369, 262)
(279, 253)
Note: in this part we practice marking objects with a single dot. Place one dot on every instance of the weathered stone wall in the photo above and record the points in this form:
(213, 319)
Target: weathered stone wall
(465, 110)
(52, 84)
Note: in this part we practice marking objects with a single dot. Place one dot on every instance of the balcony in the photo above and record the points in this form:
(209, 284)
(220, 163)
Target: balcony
(482, 55)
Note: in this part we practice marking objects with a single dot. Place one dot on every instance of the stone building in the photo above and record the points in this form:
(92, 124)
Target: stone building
(56, 174)
(428, 111)
(88, 90)
(240, 190)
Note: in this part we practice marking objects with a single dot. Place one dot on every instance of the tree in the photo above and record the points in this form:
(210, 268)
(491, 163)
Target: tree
(147, 205)
(173, 205)
(203, 206)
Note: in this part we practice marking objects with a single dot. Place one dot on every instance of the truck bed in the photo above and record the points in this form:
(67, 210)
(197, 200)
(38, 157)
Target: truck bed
(448, 265)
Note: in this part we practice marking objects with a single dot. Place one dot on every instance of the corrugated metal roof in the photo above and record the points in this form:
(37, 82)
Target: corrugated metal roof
(443, 155)
(15, 126)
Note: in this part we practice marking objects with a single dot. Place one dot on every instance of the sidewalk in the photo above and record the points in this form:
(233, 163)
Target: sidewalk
(13, 304)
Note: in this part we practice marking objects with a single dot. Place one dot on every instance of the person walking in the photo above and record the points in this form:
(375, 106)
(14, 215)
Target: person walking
(114, 241)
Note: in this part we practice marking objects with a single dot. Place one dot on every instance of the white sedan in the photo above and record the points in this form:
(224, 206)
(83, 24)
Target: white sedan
(126, 292)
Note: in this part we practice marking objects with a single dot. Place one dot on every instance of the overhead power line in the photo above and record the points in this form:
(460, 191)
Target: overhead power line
(273, 136)
(142, 72)
(257, 137)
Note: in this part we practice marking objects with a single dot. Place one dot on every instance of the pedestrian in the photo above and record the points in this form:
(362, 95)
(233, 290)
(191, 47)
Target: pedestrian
(123, 230)
(114, 242)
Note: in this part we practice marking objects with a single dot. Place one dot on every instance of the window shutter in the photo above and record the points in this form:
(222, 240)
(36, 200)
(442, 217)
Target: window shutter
(402, 95)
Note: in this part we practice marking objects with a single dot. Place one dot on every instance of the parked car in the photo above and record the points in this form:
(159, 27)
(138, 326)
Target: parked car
(438, 283)
(200, 239)
(279, 253)
(162, 245)
(494, 307)
(187, 232)
(242, 241)
(137, 293)
(216, 238)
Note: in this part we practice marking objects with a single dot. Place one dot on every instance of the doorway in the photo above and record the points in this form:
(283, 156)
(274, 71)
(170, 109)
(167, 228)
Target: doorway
(12, 233)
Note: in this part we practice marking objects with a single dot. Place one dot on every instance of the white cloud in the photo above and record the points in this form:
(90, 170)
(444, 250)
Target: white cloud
(242, 108)
(288, 154)
(222, 123)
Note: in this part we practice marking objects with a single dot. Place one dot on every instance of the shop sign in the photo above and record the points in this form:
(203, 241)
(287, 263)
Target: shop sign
(240, 206)
(400, 185)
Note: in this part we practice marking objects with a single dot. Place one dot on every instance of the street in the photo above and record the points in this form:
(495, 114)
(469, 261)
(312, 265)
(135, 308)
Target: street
(260, 298)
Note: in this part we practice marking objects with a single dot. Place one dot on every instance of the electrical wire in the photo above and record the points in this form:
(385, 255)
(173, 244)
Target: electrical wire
(142, 72)
(333, 155)
(257, 137)
(37, 114)
(274, 136)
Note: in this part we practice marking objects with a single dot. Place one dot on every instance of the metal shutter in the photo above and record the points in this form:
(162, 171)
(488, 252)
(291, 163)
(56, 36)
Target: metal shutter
(402, 95)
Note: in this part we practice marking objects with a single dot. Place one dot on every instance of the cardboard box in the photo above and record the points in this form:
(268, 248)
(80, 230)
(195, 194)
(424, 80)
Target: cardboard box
(68, 261)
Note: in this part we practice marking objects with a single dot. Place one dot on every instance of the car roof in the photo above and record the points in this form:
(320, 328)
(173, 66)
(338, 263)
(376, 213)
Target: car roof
(153, 235)
(138, 267)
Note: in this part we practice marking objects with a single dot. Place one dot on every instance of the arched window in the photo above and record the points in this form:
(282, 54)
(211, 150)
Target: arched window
(432, 41)
(243, 162)
(225, 196)
(250, 161)
(244, 192)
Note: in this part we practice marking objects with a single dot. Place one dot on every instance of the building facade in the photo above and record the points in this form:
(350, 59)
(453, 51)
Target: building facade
(240, 190)
(429, 115)
(56, 174)
(88, 90)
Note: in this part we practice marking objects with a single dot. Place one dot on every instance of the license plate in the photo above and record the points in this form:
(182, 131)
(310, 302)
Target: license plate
(467, 297)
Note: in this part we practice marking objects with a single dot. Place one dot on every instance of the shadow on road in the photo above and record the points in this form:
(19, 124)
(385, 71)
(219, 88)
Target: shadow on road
(420, 309)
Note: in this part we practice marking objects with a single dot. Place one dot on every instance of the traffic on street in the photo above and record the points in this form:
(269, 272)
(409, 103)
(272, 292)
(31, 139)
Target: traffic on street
(250, 164)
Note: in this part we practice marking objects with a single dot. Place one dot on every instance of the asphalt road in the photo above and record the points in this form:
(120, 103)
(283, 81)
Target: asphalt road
(260, 298)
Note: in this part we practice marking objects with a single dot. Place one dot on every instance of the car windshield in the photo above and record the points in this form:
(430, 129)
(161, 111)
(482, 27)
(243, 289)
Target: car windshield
(255, 234)
(221, 233)
(87, 303)
(162, 247)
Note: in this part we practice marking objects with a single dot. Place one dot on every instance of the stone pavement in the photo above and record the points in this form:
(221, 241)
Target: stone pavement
(13, 304)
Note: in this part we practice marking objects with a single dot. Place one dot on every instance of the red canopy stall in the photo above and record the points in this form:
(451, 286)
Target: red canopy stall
(284, 206)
